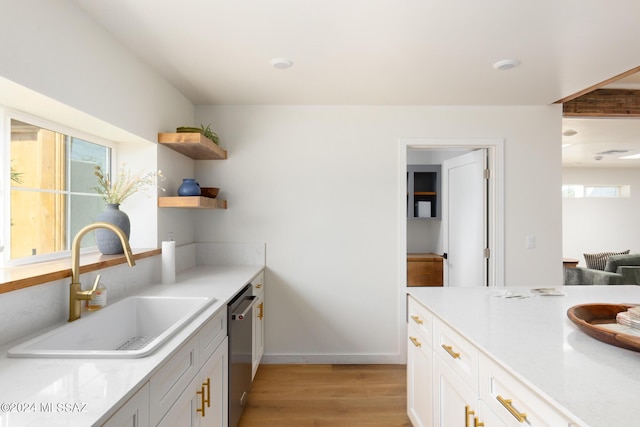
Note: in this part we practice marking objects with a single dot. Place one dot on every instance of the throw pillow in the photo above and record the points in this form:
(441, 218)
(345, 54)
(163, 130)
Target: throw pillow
(599, 261)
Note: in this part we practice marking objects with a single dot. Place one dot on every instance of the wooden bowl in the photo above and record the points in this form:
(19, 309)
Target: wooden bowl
(592, 318)
(210, 192)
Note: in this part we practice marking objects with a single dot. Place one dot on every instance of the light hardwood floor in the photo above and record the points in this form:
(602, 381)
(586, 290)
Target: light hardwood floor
(327, 395)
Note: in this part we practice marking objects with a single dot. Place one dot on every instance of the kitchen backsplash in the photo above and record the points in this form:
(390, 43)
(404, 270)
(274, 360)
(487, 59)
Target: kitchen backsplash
(26, 311)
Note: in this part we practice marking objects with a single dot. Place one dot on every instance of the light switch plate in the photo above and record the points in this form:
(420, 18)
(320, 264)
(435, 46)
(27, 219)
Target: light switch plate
(530, 242)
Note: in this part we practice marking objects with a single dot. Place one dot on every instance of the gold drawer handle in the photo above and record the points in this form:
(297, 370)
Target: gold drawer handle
(467, 413)
(202, 402)
(417, 319)
(261, 310)
(207, 400)
(449, 349)
(477, 423)
(520, 416)
(415, 341)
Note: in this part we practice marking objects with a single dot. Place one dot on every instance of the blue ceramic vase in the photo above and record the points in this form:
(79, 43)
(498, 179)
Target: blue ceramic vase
(189, 187)
(107, 241)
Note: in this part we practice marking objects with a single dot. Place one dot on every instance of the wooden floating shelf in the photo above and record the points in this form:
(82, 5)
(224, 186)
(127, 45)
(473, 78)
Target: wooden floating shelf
(194, 145)
(425, 193)
(191, 202)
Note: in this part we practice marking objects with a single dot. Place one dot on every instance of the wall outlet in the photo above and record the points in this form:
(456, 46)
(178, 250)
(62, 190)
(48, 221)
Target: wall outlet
(530, 242)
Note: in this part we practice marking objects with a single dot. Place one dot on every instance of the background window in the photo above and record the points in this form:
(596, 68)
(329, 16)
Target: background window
(596, 191)
(51, 189)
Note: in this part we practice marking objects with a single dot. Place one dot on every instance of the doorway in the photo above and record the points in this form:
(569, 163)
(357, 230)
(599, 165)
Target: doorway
(437, 148)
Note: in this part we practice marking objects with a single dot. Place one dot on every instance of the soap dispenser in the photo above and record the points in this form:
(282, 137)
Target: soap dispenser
(99, 296)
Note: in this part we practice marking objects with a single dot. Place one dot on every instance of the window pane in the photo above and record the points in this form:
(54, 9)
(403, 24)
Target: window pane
(85, 156)
(37, 157)
(83, 211)
(601, 191)
(37, 223)
(572, 191)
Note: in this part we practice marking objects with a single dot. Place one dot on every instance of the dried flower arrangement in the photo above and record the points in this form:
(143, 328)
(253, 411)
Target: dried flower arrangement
(126, 184)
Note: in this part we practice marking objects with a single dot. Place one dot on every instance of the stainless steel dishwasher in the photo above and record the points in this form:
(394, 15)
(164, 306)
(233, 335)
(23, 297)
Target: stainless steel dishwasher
(240, 331)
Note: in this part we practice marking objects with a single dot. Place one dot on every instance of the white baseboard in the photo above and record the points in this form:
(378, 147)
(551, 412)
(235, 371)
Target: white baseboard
(336, 359)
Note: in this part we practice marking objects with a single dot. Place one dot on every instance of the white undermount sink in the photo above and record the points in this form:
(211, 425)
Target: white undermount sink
(133, 327)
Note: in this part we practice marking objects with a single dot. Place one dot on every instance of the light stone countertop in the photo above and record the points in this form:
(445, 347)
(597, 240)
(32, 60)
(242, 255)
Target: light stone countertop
(534, 339)
(97, 387)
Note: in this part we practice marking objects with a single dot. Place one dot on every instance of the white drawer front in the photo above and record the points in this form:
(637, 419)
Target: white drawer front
(212, 334)
(457, 352)
(422, 320)
(258, 284)
(166, 385)
(416, 340)
(514, 402)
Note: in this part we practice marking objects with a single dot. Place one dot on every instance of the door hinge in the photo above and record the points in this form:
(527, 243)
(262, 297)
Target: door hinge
(487, 253)
(486, 174)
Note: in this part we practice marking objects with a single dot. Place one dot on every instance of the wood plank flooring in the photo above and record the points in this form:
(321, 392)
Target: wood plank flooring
(327, 395)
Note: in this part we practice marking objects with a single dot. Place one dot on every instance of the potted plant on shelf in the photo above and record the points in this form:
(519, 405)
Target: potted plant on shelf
(114, 192)
(207, 132)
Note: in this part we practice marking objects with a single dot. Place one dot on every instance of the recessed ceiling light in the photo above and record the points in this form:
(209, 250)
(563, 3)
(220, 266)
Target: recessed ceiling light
(281, 63)
(569, 132)
(506, 64)
(632, 156)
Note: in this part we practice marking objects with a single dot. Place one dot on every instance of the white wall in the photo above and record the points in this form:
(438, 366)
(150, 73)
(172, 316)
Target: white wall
(58, 65)
(52, 47)
(318, 185)
(600, 225)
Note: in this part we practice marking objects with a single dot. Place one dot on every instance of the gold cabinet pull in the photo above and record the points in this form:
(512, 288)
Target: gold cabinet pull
(207, 384)
(467, 413)
(415, 341)
(507, 403)
(477, 423)
(261, 311)
(205, 397)
(202, 403)
(417, 319)
(259, 285)
(449, 349)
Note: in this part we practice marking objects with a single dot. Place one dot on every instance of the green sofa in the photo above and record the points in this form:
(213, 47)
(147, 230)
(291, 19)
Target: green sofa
(619, 270)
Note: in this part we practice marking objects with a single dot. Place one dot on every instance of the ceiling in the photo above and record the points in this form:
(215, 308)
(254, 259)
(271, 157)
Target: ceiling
(385, 52)
(601, 142)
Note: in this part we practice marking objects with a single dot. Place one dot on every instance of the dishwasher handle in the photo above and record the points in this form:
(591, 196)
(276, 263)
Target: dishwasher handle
(240, 312)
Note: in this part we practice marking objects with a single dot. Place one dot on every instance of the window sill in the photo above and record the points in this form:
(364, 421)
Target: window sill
(14, 278)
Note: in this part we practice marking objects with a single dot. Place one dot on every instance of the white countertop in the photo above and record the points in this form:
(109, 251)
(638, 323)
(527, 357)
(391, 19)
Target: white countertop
(85, 391)
(534, 338)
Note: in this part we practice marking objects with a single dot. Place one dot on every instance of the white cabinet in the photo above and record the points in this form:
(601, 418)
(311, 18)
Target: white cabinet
(258, 324)
(455, 402)
(512, 401)
(466, 388)
(486, 417)
(419, 366)
(203, 403)
(134, 413)
(419, 379)
(190, 389)
(457, 352)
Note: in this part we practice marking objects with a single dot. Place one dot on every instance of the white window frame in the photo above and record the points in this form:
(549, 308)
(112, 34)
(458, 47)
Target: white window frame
(6, 115)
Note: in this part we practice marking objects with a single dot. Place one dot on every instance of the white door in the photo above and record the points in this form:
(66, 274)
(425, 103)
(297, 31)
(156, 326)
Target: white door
(464, 219)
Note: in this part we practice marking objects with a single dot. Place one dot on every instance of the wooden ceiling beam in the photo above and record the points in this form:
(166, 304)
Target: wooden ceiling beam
(599, 85)
(604, 103)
